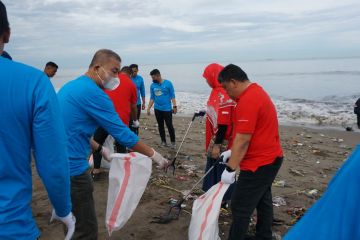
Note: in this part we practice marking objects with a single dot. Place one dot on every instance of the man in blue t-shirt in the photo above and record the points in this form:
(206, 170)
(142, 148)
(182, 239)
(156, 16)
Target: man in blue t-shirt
(85, 107)
(30, 119)
(140, 87)
(162, 94)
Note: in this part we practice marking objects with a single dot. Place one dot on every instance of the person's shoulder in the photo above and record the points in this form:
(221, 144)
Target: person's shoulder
(23, 70)
(140, 77)
(167, 81)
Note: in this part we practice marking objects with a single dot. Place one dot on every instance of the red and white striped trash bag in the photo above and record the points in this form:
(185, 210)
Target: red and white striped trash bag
(205, 214)
(128, 177)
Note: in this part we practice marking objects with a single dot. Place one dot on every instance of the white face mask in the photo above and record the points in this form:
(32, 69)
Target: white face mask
(111, 83)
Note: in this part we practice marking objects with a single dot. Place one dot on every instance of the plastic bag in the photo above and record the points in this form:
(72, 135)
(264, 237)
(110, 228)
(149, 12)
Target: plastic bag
(128, 177)
(205, 214)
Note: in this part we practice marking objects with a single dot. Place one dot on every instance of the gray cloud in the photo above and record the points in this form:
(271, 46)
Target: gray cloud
(168, 32)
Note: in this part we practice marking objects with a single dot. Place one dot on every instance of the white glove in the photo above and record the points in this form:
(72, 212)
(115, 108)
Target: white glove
(105, 152)
(228, 177)
(68, 220)
(136, 124)
(160, 160)
(226, 155)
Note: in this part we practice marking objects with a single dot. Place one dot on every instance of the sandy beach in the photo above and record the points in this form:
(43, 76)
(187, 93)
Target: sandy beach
(312, 156)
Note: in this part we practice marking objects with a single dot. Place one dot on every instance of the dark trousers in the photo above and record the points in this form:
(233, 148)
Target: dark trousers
(161, 117)
(100, 136)
(136, 130)
(83, 208)
(253, 190)
(358, 120)
(215, 176)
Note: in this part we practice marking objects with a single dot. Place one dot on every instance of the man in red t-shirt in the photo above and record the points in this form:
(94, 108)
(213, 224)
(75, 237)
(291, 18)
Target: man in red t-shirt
(124, 98)
(255, 149)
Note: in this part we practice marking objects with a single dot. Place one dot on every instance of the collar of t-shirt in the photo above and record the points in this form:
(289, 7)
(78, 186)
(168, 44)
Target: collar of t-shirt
(250, 86)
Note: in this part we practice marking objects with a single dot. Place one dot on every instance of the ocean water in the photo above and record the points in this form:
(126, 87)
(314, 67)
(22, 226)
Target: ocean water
(311, 92)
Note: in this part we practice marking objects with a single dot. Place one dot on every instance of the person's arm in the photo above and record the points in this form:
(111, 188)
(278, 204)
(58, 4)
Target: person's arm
(50, 147)
(174, 105)
(219, 138)
(133, 111)
(238, 149)
(151, 103)
(172, 96)
(142, 92)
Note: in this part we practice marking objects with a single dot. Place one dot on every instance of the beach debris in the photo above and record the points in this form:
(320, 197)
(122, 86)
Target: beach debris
(317, 161)
(181, 178)
(278, 201)
(349, 129)
(276, 236)
(159, 180)
(296, 213)
(296, 172)
(312, 193)
(279, 183)
(322, 135)
(308, 136)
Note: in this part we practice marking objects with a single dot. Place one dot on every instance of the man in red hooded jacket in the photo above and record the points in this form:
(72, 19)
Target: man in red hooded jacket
(218, 127)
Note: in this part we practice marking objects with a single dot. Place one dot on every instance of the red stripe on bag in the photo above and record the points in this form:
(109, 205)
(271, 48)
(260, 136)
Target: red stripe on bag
(120, 197)
(209, 208)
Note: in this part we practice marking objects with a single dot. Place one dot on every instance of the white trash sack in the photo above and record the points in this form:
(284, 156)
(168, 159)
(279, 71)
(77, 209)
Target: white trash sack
(128, 177)
(205, 214)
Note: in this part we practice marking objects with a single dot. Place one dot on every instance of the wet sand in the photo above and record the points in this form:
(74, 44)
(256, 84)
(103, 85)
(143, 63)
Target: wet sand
(312, 156)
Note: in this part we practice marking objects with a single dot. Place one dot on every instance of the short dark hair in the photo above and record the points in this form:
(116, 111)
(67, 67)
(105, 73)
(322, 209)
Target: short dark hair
(134, 66)
(232, 71)
(4, 22)
(102, 56)
(51, 64)
(154, 72)
(126, 69)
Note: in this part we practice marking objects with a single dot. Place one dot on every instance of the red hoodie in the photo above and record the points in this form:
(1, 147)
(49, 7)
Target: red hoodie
(219, 105)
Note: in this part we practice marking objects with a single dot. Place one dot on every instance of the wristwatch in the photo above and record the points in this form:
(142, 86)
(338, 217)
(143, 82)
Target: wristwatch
(229, 169)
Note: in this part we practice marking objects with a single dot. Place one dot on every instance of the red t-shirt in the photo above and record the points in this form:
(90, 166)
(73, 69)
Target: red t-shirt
(123, 96)
(255, 114)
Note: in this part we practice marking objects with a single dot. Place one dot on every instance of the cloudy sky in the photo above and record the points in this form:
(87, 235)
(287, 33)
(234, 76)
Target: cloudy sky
(158, 31)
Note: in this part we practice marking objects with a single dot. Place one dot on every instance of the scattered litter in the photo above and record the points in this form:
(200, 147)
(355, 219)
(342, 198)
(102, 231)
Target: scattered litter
(322, 135)
(299, 144)
(318, 162)
(181, 178)
(296, 172)
(276, 236)
(278, 201)
(280, 183)
(296, 213)
(308, 136)
(312, 193)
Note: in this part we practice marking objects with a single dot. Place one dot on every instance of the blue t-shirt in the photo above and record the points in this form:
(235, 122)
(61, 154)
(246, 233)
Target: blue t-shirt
(30, 119)
(139, 82)
(84, 108)
(162, 93)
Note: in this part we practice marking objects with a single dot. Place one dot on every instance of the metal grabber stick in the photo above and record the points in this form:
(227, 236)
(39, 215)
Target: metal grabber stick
(172, 164)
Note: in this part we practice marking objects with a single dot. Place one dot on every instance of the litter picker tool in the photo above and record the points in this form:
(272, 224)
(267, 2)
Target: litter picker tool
(172, 164)
(174, 211)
